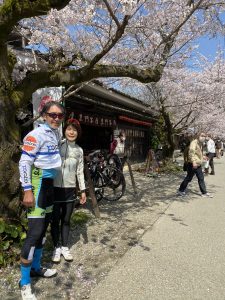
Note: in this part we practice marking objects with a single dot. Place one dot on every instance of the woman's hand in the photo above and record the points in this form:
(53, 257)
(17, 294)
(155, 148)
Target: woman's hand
(28, 199)
(83, 198)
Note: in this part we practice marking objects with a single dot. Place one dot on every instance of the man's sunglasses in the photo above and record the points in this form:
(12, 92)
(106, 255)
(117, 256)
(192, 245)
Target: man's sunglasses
(55, 115)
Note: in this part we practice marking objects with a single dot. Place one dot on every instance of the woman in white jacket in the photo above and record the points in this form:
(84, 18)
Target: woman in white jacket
(65, 189)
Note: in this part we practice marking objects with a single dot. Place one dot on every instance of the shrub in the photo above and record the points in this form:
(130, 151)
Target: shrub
(12, 233)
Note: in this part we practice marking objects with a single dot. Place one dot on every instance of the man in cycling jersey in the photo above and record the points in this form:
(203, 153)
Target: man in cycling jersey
(38, 164)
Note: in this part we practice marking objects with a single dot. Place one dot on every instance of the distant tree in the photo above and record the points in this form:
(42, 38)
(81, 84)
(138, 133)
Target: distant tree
(184, 99)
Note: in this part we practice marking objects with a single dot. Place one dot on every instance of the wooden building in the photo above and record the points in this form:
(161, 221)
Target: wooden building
(104, 112)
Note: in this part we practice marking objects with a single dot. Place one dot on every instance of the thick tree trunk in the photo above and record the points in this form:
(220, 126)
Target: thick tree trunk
(169, 134)
(9, 143)
(9, 156)
(9, 173)
(9, 179)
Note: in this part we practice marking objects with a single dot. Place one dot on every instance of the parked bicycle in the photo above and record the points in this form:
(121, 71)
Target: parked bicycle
(109, 182)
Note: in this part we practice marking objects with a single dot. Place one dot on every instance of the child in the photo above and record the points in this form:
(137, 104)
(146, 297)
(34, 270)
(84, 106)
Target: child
(65, 189)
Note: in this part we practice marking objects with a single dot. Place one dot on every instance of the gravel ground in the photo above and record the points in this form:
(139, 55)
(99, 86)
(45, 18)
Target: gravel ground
(100, 243)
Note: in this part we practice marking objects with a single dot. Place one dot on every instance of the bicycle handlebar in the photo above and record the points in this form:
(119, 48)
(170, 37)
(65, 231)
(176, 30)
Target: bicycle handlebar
(94, 153)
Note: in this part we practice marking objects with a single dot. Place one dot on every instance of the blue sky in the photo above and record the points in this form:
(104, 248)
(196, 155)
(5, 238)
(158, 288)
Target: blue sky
(209, 46)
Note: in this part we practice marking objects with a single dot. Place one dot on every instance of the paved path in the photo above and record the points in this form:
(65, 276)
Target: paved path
(181, 257)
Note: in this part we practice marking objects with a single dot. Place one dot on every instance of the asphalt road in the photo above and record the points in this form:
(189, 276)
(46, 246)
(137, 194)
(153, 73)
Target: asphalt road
(181, 257)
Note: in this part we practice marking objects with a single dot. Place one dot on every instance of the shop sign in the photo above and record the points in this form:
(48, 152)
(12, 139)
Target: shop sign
(94, 120)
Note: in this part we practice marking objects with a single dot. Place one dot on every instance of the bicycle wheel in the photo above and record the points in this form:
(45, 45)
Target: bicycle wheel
(114, 183)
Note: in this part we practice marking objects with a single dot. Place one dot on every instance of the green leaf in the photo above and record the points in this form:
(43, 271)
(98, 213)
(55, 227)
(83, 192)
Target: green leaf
(12, 230)
(5, 245)
(23, 235)
(24, 222)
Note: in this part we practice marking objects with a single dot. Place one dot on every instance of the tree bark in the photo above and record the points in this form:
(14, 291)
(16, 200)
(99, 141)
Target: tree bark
(9, 141)
(23, 92)
(169, 133)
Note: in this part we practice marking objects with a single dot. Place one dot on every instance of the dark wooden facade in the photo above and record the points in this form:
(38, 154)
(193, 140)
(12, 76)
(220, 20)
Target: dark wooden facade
(103, 113)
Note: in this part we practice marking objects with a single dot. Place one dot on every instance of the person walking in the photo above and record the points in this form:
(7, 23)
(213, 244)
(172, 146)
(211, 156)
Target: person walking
(65, 189)
(195, 159)
(37, 166)
(211, 150)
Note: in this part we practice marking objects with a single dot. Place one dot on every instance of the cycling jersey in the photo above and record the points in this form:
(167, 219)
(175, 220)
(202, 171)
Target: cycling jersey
(41, 149)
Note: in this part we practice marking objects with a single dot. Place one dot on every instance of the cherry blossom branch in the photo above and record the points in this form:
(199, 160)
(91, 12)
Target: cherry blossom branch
(65, 95)
(110, 44)
(169, 39)
(33, 81)
(186, 117)
(111, 13)
(13, 11)
(177, 29)
(181, 105)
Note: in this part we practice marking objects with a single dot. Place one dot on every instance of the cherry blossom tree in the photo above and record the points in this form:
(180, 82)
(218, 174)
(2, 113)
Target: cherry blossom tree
(91, 39)
(184, 99)
(175, 100)
(212, 110)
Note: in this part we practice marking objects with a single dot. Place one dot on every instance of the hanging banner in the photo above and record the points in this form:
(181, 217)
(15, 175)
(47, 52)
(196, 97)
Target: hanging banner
(133, 121)
(42, 96)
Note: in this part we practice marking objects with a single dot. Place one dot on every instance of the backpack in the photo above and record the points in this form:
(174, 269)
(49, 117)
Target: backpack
(113, 146)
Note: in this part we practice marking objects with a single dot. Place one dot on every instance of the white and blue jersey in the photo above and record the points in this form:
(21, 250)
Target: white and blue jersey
(41, 149)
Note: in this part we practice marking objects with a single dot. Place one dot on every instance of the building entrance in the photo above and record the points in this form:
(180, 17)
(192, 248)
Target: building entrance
(94, 138)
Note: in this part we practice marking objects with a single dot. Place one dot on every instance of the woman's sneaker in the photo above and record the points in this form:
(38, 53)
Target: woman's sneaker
(26, 292)
(66, 254)
(56, 255)
(43, 272)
